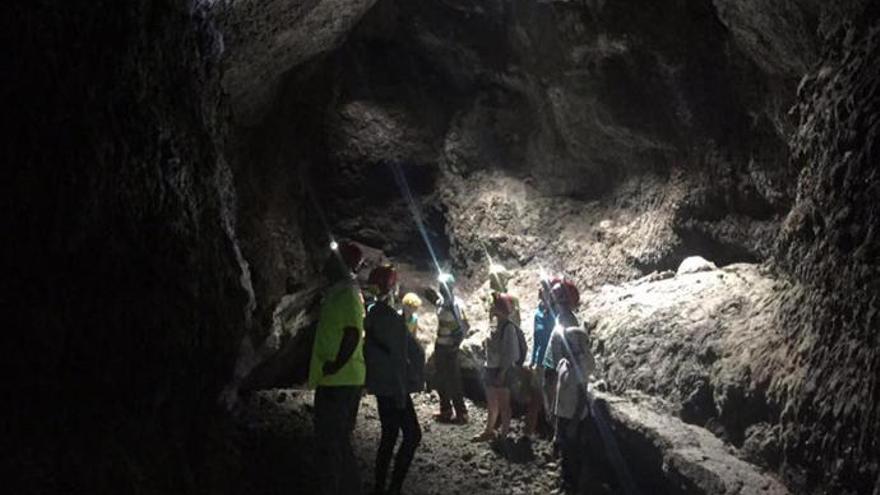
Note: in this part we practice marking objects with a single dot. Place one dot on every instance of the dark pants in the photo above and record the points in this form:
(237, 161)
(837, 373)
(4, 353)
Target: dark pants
(578, 443)
(336, 411)
(448, 380)
(394, 420)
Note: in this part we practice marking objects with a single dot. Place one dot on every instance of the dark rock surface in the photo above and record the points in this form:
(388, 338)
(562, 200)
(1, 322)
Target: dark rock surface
(153, 230)
(829, 244)
(124, 290)
(266, 39)
(686, 459)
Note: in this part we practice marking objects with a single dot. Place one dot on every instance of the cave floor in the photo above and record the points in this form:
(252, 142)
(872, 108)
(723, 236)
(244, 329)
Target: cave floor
(278, 449)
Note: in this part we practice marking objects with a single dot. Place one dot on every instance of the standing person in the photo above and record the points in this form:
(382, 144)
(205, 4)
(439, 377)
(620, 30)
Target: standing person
(387, 352)
(337, 371)
(411, 304)
(571, 408)
(544, 321)
(502, 352)
(452, 327)
(564, 298)
(498, 280)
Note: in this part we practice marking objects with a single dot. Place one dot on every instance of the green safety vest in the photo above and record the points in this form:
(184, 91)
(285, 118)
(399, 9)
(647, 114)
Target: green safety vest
(343, 306)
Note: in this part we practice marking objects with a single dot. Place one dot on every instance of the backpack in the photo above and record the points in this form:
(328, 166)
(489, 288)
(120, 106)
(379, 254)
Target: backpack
(523, 345)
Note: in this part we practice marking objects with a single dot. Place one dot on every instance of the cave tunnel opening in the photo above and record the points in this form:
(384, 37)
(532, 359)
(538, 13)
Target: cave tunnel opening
(703, 172)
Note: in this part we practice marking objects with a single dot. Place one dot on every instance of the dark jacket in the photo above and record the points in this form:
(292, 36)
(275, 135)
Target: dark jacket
(385, 351)
(415, 364)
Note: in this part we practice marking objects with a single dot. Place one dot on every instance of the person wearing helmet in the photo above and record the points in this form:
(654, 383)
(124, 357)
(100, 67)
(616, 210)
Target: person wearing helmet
(387, 353)
(452, 327)
(498, 281)
(543, 323)
(411, 303)
(574, 425)
(564, 298)
(337, 370)
(502, 352)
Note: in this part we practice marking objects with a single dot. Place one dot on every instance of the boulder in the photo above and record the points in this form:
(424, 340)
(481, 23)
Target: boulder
(694, 264)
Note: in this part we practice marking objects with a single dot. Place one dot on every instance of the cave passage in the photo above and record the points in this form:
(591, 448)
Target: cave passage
(703, 171)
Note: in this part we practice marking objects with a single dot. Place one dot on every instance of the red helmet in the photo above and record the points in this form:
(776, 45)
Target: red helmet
(351, 255)
(384, 277)
(565, 292)
(502, 304)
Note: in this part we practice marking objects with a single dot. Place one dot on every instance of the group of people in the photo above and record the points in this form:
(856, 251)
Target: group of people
(370, 343)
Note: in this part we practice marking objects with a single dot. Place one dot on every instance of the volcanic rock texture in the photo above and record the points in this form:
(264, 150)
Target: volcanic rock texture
(125, 289)
(175, 168)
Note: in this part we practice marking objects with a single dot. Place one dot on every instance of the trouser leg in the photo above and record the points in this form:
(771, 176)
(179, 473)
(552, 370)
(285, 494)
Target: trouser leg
(412, 436)
(351, 483)
(390, 418)
(456, 390)
(327, 439)
(549, 393)
(568, 437)
(533, 410)
(335, 418)
(443, 380)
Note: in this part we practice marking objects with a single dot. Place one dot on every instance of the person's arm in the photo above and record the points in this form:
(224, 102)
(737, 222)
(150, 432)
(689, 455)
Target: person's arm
(350, 338)
(351, 332)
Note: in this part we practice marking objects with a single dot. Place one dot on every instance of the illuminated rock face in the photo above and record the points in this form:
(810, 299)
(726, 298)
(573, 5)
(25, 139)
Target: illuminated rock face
(706, 343)
(609, 140)
(156, 207)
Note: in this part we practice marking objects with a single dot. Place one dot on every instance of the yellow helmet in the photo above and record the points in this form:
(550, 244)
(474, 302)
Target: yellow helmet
(412, 300)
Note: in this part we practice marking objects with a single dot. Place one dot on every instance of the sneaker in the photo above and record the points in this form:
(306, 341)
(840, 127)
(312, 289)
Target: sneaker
(461, 419)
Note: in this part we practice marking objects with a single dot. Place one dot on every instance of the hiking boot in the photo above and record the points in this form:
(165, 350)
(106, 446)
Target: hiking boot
(486, 436)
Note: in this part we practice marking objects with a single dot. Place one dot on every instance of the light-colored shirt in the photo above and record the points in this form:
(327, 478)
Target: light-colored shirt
(571, 386)
(502, 347)
(452, 324)
(343, 306)
(556, 347)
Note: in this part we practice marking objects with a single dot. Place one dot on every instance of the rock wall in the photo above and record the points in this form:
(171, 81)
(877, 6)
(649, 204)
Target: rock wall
(265, 40)
(829, 244)
(673, 115)
(781, 361)
(125, 292)
(576, 99)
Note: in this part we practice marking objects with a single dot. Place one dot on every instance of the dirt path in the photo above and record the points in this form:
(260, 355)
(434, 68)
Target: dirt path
(278, 447)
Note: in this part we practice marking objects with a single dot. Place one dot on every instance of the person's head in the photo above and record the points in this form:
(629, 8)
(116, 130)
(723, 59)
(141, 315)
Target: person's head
(411, 303)
(345, 260)
(502, 307)
(384, 279)
(564, 294)
(498, 278)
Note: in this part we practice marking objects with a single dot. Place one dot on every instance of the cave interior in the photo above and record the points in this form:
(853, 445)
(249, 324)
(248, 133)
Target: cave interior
(706, 171)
